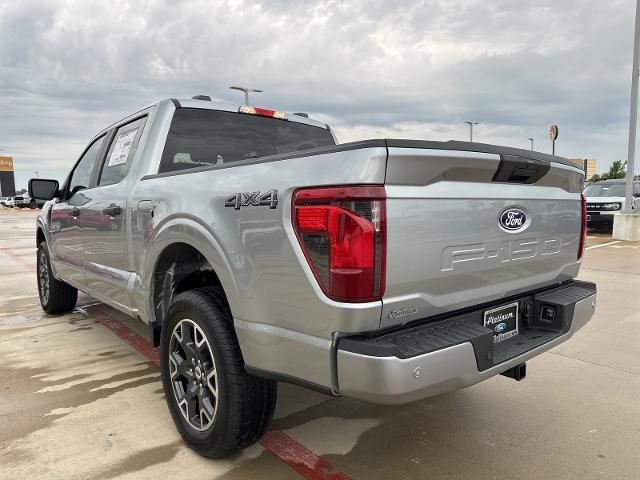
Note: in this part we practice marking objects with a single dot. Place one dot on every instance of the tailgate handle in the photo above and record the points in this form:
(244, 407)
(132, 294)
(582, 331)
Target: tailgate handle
(514, 169)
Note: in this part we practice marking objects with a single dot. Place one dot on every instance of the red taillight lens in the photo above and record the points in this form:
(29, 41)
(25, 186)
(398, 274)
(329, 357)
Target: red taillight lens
(342, 232)
(583, 228)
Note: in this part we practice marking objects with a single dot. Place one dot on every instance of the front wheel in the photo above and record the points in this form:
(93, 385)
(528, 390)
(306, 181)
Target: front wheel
(216, 406)
(55, 295)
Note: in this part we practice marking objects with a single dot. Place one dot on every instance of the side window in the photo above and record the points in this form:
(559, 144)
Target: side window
(121, 152)
(81, 176)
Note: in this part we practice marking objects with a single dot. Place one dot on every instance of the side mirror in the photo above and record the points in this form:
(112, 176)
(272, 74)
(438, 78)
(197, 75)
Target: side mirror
(44, 189)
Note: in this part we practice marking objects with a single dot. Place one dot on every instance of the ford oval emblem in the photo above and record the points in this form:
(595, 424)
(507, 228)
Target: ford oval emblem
(500, 327)
(513, 219)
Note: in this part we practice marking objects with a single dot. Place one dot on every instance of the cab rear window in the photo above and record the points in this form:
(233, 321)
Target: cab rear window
(200, 138)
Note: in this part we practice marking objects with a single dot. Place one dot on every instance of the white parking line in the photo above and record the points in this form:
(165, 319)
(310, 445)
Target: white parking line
(603, 244)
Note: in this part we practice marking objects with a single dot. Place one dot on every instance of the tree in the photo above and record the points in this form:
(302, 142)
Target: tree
(21, 191)
(617, 170)
(595, 177)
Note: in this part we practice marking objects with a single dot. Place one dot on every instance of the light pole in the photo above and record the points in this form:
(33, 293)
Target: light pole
(626, 224)
(531, 140)
(471, 124)
(246, 92)
(633, 115)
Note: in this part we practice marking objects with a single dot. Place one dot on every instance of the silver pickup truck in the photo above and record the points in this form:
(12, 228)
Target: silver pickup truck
(257, 249)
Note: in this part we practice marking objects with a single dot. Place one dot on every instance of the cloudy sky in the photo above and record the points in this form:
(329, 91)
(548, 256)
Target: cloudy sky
(403, 69)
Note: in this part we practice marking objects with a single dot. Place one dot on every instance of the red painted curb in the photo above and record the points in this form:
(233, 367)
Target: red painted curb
(303, 461)
(138, 343)
(17, 258)
(300, 459)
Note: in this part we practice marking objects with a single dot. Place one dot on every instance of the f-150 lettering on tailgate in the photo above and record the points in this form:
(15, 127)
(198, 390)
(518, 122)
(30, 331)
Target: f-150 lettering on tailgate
(498, 251)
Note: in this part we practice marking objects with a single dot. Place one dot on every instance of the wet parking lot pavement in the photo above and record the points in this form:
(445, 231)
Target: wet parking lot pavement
(81, 398)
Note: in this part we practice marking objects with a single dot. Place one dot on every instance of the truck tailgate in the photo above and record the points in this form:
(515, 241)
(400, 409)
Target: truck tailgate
(447, 247)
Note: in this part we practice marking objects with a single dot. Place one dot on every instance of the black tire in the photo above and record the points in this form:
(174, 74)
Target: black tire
(32, 204)
(55, 295)
(244, 404)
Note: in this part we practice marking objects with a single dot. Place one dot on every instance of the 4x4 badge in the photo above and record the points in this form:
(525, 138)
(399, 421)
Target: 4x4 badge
(255, 199)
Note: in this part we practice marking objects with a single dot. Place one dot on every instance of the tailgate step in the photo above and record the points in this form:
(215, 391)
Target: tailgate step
(544, 316)
(421, 339)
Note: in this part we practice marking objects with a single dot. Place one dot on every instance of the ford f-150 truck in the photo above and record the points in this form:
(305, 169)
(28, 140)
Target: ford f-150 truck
(257, 249)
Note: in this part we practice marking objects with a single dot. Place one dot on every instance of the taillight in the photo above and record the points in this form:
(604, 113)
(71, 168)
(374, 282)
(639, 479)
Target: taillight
(583, 228)
(342, 232)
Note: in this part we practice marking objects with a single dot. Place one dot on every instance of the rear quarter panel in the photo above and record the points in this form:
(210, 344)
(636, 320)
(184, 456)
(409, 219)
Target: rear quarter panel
(283, 320)
(262, 268)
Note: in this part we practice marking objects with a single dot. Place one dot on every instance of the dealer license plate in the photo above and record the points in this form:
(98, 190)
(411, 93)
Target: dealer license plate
(503, 321)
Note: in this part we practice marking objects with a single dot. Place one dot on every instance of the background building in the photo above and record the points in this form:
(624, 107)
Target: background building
(587, 164)
(7, 181)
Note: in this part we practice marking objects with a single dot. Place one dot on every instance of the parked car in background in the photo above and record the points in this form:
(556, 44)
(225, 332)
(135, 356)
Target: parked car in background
(3, 201)
(25, 201)
(604, 199)
(20, 201)
(8, 202)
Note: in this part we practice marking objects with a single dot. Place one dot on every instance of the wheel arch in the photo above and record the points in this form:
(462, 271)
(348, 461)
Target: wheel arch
(184, 256)
(40, 236)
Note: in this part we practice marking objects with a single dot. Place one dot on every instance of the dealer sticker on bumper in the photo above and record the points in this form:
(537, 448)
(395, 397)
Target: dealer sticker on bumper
(503, 321)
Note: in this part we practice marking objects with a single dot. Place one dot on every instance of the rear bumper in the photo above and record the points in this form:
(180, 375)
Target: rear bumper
(377, 371)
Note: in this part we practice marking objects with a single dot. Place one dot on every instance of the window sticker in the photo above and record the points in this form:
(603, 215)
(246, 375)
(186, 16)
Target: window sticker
(122, 147)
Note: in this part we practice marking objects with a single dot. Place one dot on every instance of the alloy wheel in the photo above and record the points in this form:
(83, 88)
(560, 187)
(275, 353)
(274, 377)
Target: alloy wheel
(193, 374)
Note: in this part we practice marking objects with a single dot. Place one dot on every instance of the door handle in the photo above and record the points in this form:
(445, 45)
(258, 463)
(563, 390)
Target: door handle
(112, 211)
(75, 212)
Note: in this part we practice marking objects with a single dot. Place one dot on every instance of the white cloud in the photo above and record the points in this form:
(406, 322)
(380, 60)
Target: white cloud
(374, 68)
